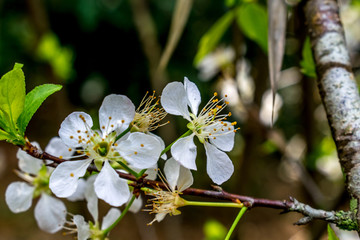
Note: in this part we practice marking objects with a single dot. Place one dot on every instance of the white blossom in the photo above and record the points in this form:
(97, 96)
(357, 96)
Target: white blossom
(102, 147)
(49, 212)
(209, 126)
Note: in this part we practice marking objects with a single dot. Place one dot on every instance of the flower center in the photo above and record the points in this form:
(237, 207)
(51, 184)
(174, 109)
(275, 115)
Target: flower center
(102, 148)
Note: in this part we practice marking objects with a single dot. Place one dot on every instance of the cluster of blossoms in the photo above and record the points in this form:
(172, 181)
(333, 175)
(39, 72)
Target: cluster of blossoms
(93, 159)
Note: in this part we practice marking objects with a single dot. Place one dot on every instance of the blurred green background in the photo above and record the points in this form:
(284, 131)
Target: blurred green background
(98, 47)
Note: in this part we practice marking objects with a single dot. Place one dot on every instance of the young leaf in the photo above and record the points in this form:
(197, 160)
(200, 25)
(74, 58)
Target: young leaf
(211, 38)
(33, 101)
(4, 135)
(331, 233)
(12, 94)
(253, 21)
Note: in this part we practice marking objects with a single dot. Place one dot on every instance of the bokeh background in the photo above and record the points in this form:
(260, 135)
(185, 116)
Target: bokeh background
(98, 47)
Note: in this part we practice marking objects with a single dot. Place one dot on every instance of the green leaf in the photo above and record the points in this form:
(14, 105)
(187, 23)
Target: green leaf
(4, 135)
(210, 39)
(33, 101)
(12, 94)
(253, 21)
(331, 233)
(307, 63)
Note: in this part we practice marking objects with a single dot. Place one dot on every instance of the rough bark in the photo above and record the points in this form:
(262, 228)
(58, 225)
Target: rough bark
(337, 86)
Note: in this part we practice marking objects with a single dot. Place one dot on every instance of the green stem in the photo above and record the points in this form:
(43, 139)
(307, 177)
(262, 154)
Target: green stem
(128, 169)
(168, 147)
(237, 219)
(141, 173)
(123, 133)
(106, 231)
(213, 204)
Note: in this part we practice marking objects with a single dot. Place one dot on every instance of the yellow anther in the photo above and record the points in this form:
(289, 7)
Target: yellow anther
(71, 174)
(215, 94)
(142, 145)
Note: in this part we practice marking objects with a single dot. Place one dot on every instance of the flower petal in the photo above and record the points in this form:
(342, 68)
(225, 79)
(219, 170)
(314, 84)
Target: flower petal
(83, 228)
(110, 187)
(79, 194)
(174, 100)
(184, 151)
(57, 147)
(219, 166)
(116, 113)
(223, 135)
(137, 204)
(65, 178)
(164, 156)
(75, 126)
(140, 150)
(28, 163)
(18, 196)
(193, 95)
(185, 179)
(91, 197)
(110, 218)
(50, 213)
(172, 171)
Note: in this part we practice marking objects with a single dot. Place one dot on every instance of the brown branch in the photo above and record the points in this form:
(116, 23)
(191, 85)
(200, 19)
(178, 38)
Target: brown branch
(337, 87)
(340, 218)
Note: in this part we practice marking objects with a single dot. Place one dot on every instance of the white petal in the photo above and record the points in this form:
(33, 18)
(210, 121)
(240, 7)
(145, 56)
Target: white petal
(152, 172)
(158, 217)
(172, 171)
(28, 163)
(83, 228)
(136, 205)
(50, 213)
(74, 127)
(164, 156)
(110, 187)
(140, 150)
(110, 218)
(57, 147)
(219, 166)
(193, 95)
(224, 136)
(18, 196)
(79, 194)
(91, 197)
(184, 151)
(120, 109)
(185, 179)
(174, 100)
(65, 178)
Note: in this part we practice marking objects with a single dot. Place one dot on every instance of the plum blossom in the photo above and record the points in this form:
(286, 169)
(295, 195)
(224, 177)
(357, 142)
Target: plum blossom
(168, 202)
(50, 213)
(92, 229)
(209, 126)
(103, 148)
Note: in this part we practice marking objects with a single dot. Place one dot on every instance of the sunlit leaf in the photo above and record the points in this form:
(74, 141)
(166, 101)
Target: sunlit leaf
(33, 101)
(4, 135)
(307, 63)
(214, 230)
(211, 38)
(252, 19)
(60, 58)
(12, 94)
(331, 233)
